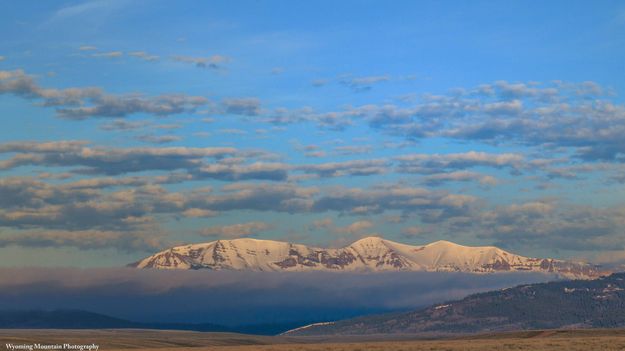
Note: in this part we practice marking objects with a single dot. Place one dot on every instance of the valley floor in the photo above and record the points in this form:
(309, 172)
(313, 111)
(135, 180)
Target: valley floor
(195, 341)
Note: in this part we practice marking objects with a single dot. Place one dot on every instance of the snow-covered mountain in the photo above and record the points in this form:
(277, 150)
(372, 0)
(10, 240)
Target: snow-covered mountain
(371, 254)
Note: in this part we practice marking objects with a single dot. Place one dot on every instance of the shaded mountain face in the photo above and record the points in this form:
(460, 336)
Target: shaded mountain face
(598, 303)
(372, 254)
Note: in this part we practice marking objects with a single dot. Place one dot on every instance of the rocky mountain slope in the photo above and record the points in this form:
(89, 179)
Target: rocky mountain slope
(371, 254)
(598, 303)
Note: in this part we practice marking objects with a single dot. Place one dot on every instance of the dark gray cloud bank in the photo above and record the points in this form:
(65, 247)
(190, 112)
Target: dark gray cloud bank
(235, 298)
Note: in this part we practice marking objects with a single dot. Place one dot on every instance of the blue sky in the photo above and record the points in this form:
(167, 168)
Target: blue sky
(130, 126)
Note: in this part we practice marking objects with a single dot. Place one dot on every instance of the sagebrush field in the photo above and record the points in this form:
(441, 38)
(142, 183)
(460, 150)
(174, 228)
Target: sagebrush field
(582, 340)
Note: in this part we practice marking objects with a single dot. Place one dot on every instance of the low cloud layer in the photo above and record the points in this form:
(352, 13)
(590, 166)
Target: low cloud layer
(235, 298)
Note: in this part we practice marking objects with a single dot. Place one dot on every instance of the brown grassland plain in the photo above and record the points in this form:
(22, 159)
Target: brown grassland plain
(586, 340)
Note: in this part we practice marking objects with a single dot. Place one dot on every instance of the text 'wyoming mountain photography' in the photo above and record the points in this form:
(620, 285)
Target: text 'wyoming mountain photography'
(312, 175)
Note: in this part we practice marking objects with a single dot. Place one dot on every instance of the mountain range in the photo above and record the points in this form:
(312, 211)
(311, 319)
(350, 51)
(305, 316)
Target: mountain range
(370, 254)
(577, 304)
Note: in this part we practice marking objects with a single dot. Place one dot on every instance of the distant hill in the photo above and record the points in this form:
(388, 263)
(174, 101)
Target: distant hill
(598, 303)
(372, 254)
(79, 319)
(62, 319)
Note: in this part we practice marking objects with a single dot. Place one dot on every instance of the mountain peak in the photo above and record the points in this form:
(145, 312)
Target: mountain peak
(246, 241)
(369, 240)
(443, 243)
(452, 245)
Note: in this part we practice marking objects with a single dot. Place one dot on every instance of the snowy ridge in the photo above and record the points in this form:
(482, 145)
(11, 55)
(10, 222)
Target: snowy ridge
(371, 254)
(320, 324)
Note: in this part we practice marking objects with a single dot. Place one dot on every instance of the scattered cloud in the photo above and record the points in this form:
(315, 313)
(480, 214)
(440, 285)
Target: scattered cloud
(353, 149)
(316, 154)
(212, 62)
(110, 54)
(324, 223)
(232, 131)
(198, 213)
(360, 84)
(347, 168)
(158, 139)
(577, 116)
(110, 161)
(459, 176)
(122, 106)
(170, 126)
(277, 197)
(434, 163)
(83, 103)
(86, 240)
(258, 170)
(432, 206)
(242, 106)
(412, 232)
(234, 231)
(277, 70)
(358, 227)
(144, 56)
(30, 204)
(319, 82)
(550, 224)
(122, 125)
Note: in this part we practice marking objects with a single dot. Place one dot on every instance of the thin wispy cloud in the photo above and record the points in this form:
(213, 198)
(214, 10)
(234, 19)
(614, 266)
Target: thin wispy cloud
(109, 54)
(144, 56)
